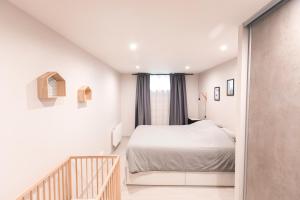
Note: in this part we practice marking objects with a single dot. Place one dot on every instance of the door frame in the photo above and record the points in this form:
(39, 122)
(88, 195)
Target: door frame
(244, 63)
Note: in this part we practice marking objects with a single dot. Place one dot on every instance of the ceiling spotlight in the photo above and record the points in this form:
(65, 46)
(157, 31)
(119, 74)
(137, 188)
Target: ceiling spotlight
(223, 47)
(137, 67)
(187, 67)
(133, 46)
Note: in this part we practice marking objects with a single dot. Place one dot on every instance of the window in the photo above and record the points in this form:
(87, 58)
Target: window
(160, 99)
(159, 83)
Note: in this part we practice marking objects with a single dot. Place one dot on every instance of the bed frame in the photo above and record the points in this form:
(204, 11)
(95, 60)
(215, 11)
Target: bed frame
(180, 178)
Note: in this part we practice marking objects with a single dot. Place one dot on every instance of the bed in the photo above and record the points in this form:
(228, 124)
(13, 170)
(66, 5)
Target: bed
(197, 154)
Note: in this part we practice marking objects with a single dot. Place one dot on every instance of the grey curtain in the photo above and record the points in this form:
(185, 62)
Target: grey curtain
(178, 100)
(142, 100)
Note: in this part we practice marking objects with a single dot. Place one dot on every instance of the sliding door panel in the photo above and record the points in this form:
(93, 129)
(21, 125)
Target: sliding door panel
(273, 134)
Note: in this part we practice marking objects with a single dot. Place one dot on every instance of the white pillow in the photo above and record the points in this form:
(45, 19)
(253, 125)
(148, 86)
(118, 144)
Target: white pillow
(229, 133)
(203, 124)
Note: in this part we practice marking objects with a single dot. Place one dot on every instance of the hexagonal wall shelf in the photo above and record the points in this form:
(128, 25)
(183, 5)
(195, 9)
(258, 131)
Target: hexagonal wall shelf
(84, 94)
(51, 85)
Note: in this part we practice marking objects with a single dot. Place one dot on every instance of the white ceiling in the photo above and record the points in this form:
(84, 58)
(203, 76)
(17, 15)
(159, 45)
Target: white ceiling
(170, 33)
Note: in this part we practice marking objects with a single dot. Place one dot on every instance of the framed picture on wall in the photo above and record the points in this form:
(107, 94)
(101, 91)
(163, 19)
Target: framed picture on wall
(217, 93)
(230, 87)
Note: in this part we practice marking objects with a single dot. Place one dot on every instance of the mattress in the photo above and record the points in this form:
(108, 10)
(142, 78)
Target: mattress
(198, 147)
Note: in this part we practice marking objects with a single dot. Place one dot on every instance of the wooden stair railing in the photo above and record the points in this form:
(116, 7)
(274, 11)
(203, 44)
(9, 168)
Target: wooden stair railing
(79, 177)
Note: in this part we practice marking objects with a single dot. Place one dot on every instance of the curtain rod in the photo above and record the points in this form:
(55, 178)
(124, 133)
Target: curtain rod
(189, 74)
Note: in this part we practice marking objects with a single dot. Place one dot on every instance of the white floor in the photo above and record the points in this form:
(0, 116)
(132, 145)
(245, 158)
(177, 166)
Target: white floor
(169, 192)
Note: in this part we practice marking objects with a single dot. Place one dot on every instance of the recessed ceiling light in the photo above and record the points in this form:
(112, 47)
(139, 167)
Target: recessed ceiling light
(133, 46)
(137, 67)
(223, 47)
(187, 67)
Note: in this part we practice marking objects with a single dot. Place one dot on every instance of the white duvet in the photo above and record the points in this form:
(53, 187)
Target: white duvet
(199, 147)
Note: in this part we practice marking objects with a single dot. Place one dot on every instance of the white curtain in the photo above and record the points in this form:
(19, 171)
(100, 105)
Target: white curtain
(160, 99)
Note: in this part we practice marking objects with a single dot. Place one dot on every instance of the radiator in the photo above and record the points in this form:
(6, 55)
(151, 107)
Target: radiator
(117, 135)
(79, 177)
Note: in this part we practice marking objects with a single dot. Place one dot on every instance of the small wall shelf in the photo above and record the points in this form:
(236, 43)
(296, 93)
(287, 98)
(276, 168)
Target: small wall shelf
(51, 85)
(84, 94)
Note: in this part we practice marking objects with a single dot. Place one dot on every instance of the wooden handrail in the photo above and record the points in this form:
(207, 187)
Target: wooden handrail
(41, 181)
(73, 179)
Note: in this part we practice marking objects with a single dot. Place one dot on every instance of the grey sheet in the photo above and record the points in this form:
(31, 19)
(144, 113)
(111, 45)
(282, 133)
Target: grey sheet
(199, 147)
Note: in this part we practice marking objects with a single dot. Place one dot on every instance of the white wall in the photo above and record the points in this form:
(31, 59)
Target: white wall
(192, 92)
(35, 136)
(128, 90)
(128, 87)
(242, 102)
(225, 111)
